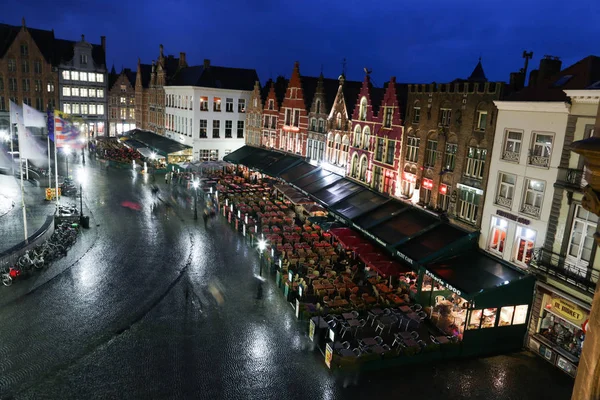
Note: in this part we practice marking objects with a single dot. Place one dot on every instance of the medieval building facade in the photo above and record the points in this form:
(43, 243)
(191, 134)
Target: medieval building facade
(121, 102)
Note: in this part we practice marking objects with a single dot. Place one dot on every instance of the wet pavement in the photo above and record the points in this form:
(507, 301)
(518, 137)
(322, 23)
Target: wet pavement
(130, 313)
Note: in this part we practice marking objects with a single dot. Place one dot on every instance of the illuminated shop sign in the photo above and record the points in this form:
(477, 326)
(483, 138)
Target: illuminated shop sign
(441, 282)
(427, 183)
(409, 177)
(405, 258)
(443, 189)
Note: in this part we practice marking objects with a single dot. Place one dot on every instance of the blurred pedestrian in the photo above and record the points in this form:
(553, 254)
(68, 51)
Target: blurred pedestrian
(205, 217)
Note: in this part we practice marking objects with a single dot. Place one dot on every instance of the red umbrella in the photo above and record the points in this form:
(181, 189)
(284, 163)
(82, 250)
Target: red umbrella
(341, 232)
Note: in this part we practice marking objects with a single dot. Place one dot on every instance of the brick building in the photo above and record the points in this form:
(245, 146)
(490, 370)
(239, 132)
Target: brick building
(150, 93)
(121, 103)
(272, 96)
(364, 124)
(292, 123)
(449, 137)
(319, 111)
(27, 69)
(254, 114)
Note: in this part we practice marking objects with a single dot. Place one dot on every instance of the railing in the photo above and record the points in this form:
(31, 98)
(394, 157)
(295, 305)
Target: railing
(532, 210)
(557, 266)
(570, 178)
(511, 156)
(539, 161)
(504, 202)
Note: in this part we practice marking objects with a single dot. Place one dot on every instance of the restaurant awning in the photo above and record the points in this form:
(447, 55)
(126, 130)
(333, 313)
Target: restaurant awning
(298, 171)
(379, 214)
(238, 155)
(260, 159)
(282, 165)
(158, 143)
(475, 273)
(358, 204)
(338, 192)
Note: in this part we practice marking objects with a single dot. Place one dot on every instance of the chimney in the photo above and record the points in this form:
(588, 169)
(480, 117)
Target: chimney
(517, 80)
(533, 77)
(182, 61)
(103, 42)
(549, 66)
(206, 63)
(83, 38)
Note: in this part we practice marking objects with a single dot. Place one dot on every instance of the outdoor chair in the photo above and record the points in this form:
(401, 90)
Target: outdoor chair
(414, 334)
(433, 339)
(346, 345)
(380, 327)
(422, 315)
(357, 352)
(416, 307)
(387, 311)
(379, 340)
(345, 329)
(422, 344)
(362, 323)
(386, 347)
(354, 313)
(397, 340)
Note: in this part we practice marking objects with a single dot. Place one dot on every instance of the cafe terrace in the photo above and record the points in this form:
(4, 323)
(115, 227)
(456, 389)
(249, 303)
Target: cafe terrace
(380, 282)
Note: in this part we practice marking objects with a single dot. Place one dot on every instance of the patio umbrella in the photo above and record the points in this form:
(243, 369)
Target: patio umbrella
(341, 232)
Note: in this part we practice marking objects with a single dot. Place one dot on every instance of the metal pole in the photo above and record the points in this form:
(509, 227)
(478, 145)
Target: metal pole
(12, 150)
(260, 261)
(80, 200)
(56, 172)
(23, 200)
(196, 204)
(26, 166)
(67, 158)
(49, 166)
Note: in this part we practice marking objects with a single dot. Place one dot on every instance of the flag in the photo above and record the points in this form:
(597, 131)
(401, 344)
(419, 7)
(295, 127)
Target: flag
(33, 118)
(28, 147)
(50, 118)
(66, 134)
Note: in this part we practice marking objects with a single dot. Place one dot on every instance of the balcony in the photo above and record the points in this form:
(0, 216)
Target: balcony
(511, 156)
(504, 202)
(570, 179)
(539, 161)
(531, 210)
(556, 266)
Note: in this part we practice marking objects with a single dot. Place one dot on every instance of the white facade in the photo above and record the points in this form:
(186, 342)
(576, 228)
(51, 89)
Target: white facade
(528, 143)
(212, 121)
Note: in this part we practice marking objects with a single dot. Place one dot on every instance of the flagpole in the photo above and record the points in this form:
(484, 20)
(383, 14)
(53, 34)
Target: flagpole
(55, 164)
(23, 196)
(26, 167)
(12, 150)
(49, 165)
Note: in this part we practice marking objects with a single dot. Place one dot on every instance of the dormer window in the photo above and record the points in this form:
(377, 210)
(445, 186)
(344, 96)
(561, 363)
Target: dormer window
(271, 104)
(338, 121)
(388, 117)
(83, 59)
(318, 106)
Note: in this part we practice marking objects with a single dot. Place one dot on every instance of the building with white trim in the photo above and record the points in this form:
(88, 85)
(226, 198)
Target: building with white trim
(205, 107)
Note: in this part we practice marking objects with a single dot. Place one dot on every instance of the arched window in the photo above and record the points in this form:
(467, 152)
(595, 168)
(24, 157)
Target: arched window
(343, 160)
(329, 154)
(354, 166)
(313, 124)
(336, 153)
(366, 140)
(338, 121)
(362, 115)
(416, 112)
(363, 169)
(357, 136)
(318, 107)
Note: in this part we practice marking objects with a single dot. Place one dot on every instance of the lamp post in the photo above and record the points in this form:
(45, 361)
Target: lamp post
(81, 177)
(195, 185)
(262, 245)
(67, 151)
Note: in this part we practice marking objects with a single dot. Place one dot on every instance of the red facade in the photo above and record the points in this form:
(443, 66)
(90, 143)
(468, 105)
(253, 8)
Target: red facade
(377, 131)
(292, 124)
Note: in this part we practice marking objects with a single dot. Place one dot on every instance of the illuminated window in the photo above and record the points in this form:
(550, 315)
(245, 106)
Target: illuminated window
(75, 92)
(498, 235)
(67, 108)
(533, 197)
(241, 105)
(506, 189)
(450, 156)
(100, 109)
(74, 75)
(100, 78)
(84, 109)
(362, 114)
(92, 109)
(412, 148)
(66, 91)
(524, 244)
(83, 76)
(475, 162)
(216, 104)
(83, 92)
(92, 77)
(506, 316)
(512, 146)
(474, 319)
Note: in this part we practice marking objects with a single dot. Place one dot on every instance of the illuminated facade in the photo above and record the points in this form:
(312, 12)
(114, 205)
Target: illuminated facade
(121, 102)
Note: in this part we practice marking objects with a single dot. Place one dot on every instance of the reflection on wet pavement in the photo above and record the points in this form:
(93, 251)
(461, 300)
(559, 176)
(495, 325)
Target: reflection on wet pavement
(161, 307)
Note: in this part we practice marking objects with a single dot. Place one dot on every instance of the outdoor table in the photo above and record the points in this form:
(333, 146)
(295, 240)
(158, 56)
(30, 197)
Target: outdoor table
(405, 309)
(369, 341)
(383, 288)
(339, 303)
(442, 339)
(346, 353)
(405, 335)
(370, 299)
(411, 342)
(414, 316)
(348, 316)
(377, 349)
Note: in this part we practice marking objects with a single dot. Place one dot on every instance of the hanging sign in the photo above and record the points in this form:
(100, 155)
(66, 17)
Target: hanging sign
(311, 330)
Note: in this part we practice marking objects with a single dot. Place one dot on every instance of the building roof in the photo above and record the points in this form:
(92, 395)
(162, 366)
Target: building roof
(351, 92)
(130, 76)
(580, 75)
(53, 49)
(112, 78)
(146, 70)
(377, 95)
(216, 77)
(477, 75)
(401, 96)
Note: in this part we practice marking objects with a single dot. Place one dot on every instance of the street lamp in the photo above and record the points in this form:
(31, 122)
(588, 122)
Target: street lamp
(262, 245)
(81, 178)
(195, 185)
(67, 151)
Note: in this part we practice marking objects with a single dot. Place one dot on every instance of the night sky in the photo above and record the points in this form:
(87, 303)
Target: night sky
(416, 41)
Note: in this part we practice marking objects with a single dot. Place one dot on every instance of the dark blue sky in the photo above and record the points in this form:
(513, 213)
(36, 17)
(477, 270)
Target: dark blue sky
(418, 41)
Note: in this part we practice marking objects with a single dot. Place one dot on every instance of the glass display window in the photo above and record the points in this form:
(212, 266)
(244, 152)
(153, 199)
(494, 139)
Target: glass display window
(475, 319)
(489, 318)
(562, 333)
(520, 314)
(498, 235)
(506, 316)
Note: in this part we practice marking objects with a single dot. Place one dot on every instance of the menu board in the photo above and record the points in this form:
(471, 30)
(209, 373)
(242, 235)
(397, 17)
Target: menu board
(520, 315)
(311, 329)
(328, 355)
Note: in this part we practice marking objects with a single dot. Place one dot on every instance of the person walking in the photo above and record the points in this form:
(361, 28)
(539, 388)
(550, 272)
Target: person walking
(205, 217)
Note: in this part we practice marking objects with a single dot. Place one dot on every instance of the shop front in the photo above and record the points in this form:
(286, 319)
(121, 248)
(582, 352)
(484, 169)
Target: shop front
(478, 299)
(557, 329)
